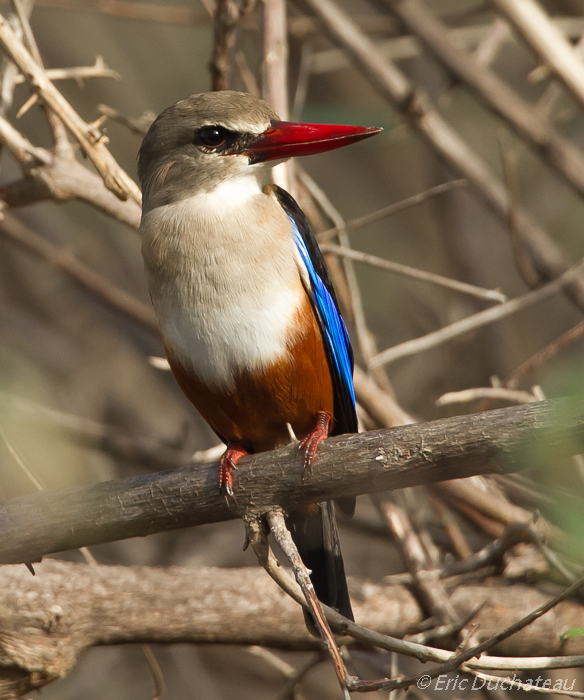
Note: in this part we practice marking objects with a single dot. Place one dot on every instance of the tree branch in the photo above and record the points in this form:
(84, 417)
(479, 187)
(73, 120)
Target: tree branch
(414, 104)
(92, 142)
(49, 619)
(491, 442)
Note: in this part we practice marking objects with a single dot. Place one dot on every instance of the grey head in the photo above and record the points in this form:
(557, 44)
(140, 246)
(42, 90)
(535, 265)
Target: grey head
(184, 152)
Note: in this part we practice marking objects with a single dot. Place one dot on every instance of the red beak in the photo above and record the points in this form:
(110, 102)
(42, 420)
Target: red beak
(287, 139)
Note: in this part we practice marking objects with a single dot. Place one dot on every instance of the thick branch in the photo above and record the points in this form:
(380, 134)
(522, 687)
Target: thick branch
(48, 620)
(491, 442)
(63, 179)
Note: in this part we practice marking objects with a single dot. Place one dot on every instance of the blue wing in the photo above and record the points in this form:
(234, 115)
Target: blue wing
(334, 332)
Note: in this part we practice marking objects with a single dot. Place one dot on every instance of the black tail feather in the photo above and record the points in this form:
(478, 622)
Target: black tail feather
(316, 536)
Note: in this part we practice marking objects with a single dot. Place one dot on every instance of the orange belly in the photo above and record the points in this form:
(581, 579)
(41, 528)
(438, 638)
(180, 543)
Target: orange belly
(258, 406)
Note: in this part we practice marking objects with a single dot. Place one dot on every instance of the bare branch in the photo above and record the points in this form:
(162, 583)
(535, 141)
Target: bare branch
(415, 105)
(138, 126)
(538, 31)
(485, 392)
(378, 403)
(465, 325)
(79, 73)
(405, 47)
(64, 260)
(561, 154)
(283, 537)
(227, 15)
(92, 143)
(68, 607)
(392, 209)
(142, 449)
(451, 448)
(407, 271)
(544, 354)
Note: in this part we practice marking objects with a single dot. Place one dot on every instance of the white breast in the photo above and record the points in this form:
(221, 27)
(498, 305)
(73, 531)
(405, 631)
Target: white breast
(224, 278)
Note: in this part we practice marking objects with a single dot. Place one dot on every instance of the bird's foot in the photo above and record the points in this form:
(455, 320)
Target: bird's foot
(227, 463)
(310, 443)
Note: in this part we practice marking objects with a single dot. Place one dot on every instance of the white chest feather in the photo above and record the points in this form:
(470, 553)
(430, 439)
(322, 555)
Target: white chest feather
(224, 277)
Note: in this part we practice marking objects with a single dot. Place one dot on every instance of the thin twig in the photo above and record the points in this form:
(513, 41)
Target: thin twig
(138, 126)
(275, 77)
(79, 73)
(485, 392)
(427, 581)
(490, 46)
(392, 209)
(465, 325)
(544, 354)
(64, 260)
(378, 403)
(495, 506)
(522, 253)
(156, 671)
(414, 104)
(282, 536)
(407, 271)
(458, 660)
(288, 692)
(365, 339)
(302, 81)
(407, 47)
(227, 15)
(557, 151)
(245, 73)
(145, 450)
(9, 71)
(492, 554)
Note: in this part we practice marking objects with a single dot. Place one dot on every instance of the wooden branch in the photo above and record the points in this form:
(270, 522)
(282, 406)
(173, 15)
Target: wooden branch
(452, 448)
(64, 260)
(226, 18)
(274, 73)
(58, 178)
(414, 104)
(562, 155)
(546, 40)
(490, 315)
(49, 619)
(92, 142)
(65, 179)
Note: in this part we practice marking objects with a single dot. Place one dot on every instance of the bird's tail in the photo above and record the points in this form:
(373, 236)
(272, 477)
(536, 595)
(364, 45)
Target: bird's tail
(316, 536)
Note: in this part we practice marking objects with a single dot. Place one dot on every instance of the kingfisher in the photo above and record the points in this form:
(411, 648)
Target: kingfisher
(247, 312)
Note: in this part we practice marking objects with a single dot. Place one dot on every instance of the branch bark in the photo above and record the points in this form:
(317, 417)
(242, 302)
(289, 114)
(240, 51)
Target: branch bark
(49, 619)
(491, 442)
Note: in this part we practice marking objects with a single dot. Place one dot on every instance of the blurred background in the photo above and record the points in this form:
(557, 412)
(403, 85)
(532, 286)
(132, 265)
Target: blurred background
(63, 349)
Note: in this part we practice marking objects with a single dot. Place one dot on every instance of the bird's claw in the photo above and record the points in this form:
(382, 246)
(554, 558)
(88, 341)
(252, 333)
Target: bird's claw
(310, 443)
(227, 464)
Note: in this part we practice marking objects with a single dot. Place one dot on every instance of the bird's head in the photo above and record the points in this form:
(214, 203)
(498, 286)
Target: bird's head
(208, 138)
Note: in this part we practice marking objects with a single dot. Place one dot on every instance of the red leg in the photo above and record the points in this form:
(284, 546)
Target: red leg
(311, 442)
(227, 463)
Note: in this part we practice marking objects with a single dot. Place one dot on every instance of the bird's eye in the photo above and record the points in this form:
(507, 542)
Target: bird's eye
(212, 136)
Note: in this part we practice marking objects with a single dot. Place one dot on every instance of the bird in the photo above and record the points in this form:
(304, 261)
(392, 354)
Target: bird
(247, 312)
